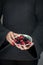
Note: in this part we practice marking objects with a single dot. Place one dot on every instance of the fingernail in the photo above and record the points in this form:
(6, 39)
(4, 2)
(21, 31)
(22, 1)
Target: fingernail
(13, 43)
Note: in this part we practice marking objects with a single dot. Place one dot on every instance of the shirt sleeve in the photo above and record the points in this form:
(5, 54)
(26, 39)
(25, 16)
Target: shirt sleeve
(3, 30)
(38, 37)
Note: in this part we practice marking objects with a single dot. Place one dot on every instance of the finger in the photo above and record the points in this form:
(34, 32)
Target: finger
(15, 34)
(19, 46)
(29, 46)
(23, 46)
(12, 36)
(11, 41)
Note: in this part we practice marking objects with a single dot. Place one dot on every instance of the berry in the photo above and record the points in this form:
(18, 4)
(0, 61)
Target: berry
(29, 42)
(16, 41)
(21, 37)
(25, 39)
(22, 42)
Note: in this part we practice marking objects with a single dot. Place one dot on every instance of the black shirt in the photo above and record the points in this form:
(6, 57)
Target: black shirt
(22, 16)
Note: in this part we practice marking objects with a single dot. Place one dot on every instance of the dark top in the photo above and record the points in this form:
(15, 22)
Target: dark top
(22, 16)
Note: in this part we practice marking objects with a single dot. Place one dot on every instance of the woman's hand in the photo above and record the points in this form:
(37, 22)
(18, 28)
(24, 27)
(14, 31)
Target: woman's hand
(10, 38)
(26, 46)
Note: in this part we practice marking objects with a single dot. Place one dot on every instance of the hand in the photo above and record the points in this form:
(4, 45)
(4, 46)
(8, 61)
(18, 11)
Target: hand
(10, 37)
(25, 46)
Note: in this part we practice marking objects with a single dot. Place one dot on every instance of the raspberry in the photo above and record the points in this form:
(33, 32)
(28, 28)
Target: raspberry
(22, 42)
(29, 42)
(21, 37)
(16, 41)
(25, 39)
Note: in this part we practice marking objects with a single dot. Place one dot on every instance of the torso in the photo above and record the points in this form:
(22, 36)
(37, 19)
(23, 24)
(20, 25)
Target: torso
(19, 16)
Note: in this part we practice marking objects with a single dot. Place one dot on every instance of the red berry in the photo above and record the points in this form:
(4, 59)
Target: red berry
(22, 42)
(21, 37)
(27, 41)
